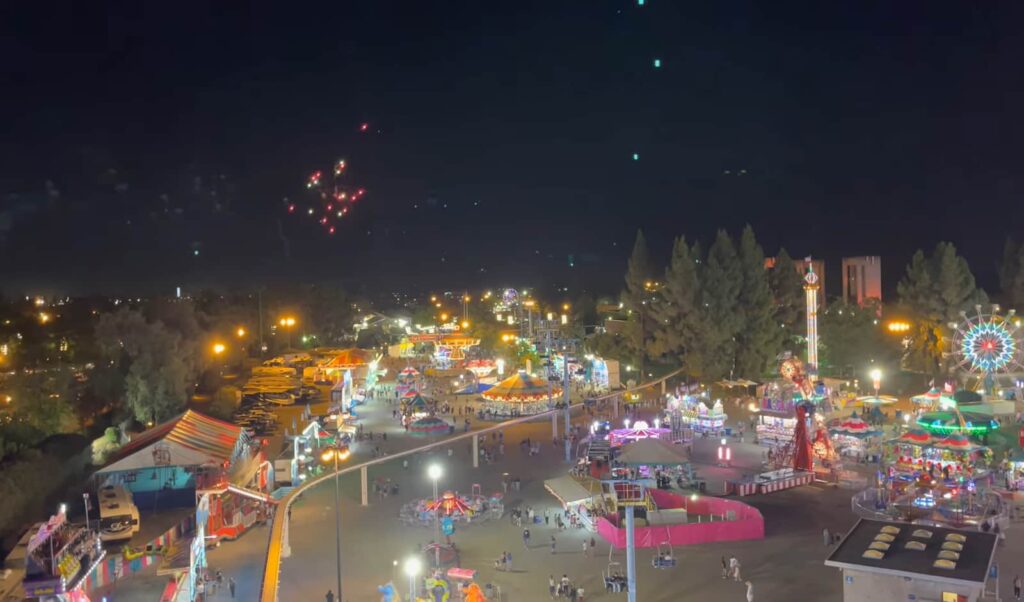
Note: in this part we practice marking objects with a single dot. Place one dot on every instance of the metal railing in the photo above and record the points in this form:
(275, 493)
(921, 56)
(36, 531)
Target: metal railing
(272, 566)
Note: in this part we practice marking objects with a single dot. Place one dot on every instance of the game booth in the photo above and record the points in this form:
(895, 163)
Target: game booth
(694, 413)
(850, 436)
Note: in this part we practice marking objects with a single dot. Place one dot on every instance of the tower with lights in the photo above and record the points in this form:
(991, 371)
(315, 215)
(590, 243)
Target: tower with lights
(811, 287)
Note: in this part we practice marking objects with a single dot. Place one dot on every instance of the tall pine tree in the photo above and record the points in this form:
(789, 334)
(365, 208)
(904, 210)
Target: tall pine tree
(788, 293)
(934, 291)
(759, 338)
(1011, 274)
(721, 283)
(675, 311)
(636, 298)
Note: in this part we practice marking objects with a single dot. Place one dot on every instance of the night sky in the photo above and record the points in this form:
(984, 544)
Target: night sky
(501, 137)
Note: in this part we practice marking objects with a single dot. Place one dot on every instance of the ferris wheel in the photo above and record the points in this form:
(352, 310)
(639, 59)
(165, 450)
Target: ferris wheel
(988, 343)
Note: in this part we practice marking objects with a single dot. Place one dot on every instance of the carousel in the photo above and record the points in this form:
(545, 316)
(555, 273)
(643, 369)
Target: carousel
(521, 394)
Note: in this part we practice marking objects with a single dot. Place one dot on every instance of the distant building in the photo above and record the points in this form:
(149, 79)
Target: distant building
(862, 279)
(801, 268)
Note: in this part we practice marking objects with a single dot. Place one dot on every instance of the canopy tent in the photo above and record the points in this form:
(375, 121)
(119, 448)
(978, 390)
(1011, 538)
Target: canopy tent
(652, 452)
(416, 402)
(409, 372)
(567, 490)
(958, 443)
(916, 436)
(933, 398)
(522, 387)
(189, 439)
(347, 359)
(853, 426)
(619, 437)
(481, 367)
(429, 425)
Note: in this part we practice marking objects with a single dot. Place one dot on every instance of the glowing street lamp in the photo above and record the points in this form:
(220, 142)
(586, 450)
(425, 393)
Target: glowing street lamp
(218, 348)
(876, 379)
(240, 332)
(434, 472)
(288, 322)
(336, 454)
(412, 568)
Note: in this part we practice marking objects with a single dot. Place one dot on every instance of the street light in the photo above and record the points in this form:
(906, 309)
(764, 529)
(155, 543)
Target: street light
(434, 472)
(287, 323)
(337, 454)
(876, 379)
(412, 568)
(240, 332)
(218, 348)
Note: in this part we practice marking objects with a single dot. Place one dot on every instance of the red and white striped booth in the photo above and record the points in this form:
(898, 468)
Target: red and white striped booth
(795, 480)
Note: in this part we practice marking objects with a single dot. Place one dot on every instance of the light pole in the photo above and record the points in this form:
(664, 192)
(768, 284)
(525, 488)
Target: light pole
(412, 568)
(337, 454)
(287, 323)
(85, 499)
(876, 379)
(434, 472)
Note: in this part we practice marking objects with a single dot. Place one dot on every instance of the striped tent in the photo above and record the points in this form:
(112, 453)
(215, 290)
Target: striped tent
(190, 439)
(523, 388)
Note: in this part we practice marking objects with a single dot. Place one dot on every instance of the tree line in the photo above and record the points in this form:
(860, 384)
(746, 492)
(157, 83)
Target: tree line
(720, 313)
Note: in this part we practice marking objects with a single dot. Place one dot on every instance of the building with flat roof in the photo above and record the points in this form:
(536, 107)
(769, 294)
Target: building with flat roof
(862, 279)
(885, 561)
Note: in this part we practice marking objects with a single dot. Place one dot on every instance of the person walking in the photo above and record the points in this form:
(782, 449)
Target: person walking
(586, 549)
(508, 561)
(750, 592)
(1017, 587)
(329, 597)
(734, 568)
(826, 537)
(552, 544)
(725, 568)
(526, 538)
(231, 586)
(551, 586)
(593, 544)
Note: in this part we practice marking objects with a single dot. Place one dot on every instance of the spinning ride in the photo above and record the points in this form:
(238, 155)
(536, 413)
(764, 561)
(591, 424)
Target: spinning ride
(985, 344)
(522, 394)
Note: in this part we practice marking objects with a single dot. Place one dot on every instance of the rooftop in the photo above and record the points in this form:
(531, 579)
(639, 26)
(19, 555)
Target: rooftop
(972, 566)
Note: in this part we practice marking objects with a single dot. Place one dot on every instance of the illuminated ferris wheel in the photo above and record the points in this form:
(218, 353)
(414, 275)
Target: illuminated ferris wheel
(988, 343)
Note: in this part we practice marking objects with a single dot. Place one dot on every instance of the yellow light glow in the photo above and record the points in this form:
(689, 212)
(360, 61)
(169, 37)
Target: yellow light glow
(218, 348)
(433, 298)
(465, 323)
(897, 326)
(444, 317)
(529, 303)
(240, 332)
(44, 317)
(287, 321)
(565, 307)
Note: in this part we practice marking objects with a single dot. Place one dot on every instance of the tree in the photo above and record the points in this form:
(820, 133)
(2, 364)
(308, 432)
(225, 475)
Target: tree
(676, 317)
(43, 399)
(162, 364)
(759, 339)
(788, 293)
(636, 297)
(721, 283)
(853, 339)
(933, 292)
(1011, 274)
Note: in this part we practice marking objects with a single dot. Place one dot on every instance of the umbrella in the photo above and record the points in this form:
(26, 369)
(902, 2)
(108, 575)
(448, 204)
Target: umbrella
(409, 372)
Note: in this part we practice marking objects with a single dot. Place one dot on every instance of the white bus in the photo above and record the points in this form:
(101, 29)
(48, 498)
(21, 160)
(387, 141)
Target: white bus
(119, 517)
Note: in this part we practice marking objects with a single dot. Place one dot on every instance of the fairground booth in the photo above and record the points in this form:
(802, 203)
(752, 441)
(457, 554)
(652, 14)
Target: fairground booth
(173, 463)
